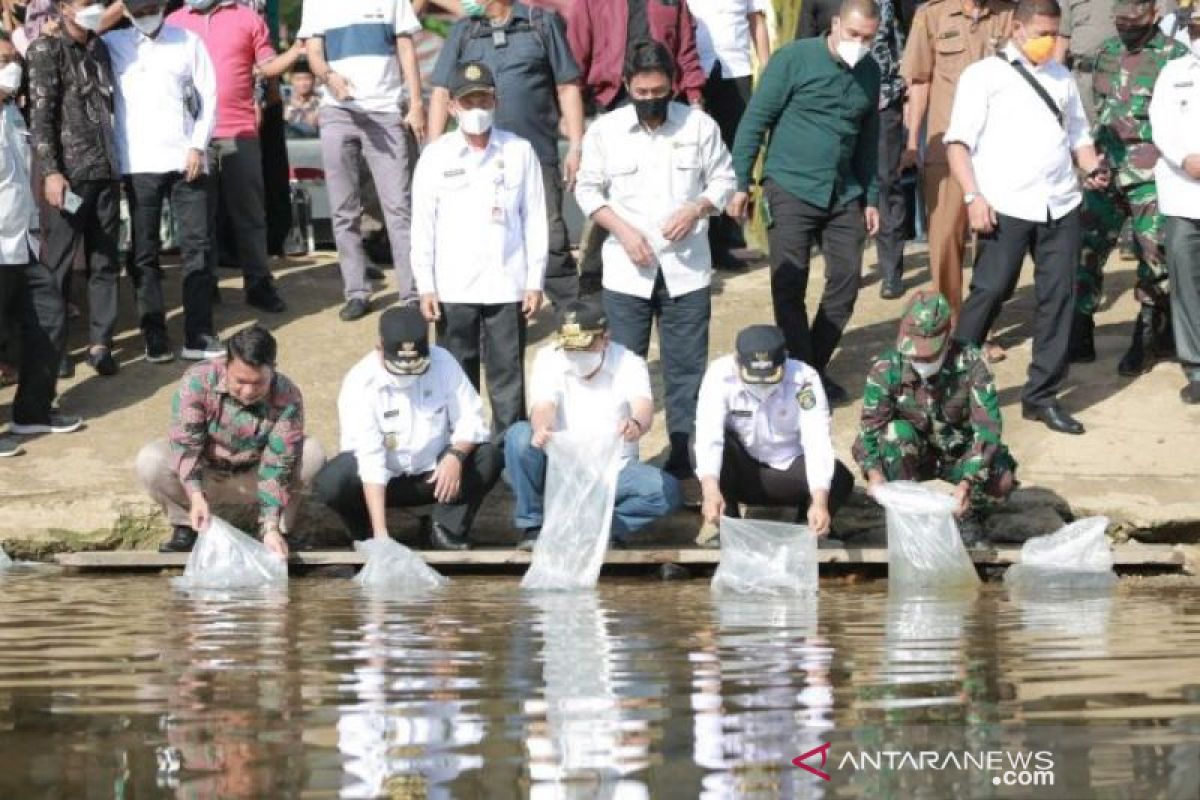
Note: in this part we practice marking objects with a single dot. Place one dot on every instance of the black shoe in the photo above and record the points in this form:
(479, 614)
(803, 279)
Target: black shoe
(356, 308)
(182, 540)
(265, 298)
(1190, 394)
(374, 274)
(9, 446)
(1082, 349)
(891, 289)
(679, 462)
(205, 347)
(1140, 357)
(835, 395)
(57, 423)
(66, 368)
(442, 539)
(729, 263)
(103, 362)
(1054, 418)
(158, 347)
(528, 537)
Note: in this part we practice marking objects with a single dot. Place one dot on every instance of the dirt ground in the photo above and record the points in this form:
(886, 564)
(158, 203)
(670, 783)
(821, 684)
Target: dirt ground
(1136, 463)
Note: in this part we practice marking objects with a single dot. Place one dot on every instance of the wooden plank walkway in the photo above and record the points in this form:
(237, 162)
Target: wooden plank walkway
(1124, 555)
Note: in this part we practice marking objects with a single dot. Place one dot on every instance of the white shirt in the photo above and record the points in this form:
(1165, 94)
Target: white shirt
(479, 230)
(359, 41)
(645, 177)
(597, 404)
(1171, 28)
(1175, 120)
(18, 211)
(1020, 153)
(723, 34)
(775, 431)
(394, 431)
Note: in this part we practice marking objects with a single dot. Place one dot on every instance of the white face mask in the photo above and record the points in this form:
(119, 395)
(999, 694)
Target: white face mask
(852, 52)
(927, 369)
(148, 25)
(476, 121)
(10, 78)
(584, 363)
(89, 17)
(761, 390)
(405, 381)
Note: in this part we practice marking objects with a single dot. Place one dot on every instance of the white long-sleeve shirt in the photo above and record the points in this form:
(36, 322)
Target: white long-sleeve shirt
(1175, 119)
(646, 176)
(18, 211)
(155, 130)
(479, 231)
(394, 431)
(775, 432)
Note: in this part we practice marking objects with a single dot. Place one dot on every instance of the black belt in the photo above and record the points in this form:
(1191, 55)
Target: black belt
(227, 468)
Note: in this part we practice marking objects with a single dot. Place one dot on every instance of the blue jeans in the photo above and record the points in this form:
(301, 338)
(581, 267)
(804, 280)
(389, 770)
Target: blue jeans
(644, 493)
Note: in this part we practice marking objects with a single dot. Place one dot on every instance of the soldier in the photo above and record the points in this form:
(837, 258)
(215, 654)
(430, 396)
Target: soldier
(930, 410)
(1126, 68)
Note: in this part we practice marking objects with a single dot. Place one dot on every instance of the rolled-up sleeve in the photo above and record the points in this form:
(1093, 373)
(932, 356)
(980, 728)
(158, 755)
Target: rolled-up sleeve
(710, 423)
(719, 180)
(816, 439)
(533, 220)
(360, 430)
(969, 112)
(424, 222)
(590, 186)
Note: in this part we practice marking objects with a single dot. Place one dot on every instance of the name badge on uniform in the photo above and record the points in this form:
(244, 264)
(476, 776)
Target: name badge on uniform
(395, 412)
(391, 441)
(454, 173)
(806, 398)
(741, 413)
(498, 216)
(1184, 85)
(950, 34)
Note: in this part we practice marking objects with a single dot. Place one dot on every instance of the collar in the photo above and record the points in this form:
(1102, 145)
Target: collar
(985, 9)
(463, 146)
(69, 40)
(1014, 53)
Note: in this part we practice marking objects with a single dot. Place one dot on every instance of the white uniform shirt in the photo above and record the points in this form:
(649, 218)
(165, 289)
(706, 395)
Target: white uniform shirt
(1175, 119)
(479, 230)
(775, 431)
(154, 128)
(394, 431)
(645, 177)
(597, 404)
(1020, 154)
(723, 34)
(18, 211)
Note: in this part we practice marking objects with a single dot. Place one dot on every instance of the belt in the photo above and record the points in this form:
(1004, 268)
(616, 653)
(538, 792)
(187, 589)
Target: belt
(227, 468)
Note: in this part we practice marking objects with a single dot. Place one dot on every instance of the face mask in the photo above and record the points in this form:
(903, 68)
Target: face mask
(653, 110)
(584, 363)
(927, 369)
(1133, 35)
(476, 121)
(761, 390)
(852, 52)
(148, 25)
(404, 381)
(1039, 50)
(89, 17)
(474, 8)
(10, 78)
(18, 13)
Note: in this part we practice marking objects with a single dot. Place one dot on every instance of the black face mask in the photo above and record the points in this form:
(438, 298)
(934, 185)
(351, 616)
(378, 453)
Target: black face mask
(1133, 36)
(653, 110)
(18, 13)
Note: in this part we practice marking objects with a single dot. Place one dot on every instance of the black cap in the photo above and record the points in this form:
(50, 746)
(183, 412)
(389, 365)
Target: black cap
(761, 353)
(404, 337)
(136, 6)
(471, 76)
(580, 322)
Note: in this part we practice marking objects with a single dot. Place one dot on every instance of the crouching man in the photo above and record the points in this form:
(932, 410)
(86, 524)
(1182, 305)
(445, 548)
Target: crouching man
(930, 410)
(587, 382)
(236, 437)
(762, 436)
(413, 434)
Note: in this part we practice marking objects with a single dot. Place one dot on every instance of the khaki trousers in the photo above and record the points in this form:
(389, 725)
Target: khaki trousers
(947, 232)
(158, 477)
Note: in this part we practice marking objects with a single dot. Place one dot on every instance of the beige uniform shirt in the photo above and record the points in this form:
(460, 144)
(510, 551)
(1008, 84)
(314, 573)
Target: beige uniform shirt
(943, 42)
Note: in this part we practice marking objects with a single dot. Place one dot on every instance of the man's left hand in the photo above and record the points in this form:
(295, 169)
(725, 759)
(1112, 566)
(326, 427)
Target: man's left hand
(818, 518)
(871, 217)
(447, 479)
(275, 542)
(194, 167)
(1098, 181)
(531, 304)
(680, 223)
(570, 166)
(415, 119)
(962, 499)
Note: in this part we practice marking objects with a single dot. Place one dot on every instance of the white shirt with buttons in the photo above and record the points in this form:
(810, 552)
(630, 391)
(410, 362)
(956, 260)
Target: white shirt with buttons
(775, 431)
(393, 431)
(1175, 119)
(1021, 155)
(646, 176)
(479, 232)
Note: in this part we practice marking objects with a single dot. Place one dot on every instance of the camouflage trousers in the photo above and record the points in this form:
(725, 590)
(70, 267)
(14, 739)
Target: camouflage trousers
(1104, 215)
(906, 455)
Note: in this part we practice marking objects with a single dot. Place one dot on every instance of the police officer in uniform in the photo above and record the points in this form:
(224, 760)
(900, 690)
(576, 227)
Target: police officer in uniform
(762, 436)
(413, 434)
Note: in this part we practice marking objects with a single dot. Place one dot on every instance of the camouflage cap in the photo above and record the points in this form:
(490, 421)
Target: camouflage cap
(925, 326)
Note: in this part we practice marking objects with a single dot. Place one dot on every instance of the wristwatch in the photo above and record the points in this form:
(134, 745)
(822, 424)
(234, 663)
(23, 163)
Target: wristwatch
(459, 454)
(970, 197)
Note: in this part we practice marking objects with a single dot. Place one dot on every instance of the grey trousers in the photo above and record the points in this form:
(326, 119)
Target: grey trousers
(382, 140)
(158, 477)
(236, 192)
(1183, 267)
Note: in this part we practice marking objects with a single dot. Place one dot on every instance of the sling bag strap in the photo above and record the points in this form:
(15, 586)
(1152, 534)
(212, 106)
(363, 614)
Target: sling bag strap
(1041, 90)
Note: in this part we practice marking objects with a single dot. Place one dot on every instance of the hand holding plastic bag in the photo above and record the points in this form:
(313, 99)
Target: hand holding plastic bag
(925, 550)
(763, 557)
(226, 558)
(1077, 556)
(581, 488)
(392, 567)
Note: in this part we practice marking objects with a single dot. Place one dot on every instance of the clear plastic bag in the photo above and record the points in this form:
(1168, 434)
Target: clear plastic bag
(763, 557)
(393, 568)
(226, 558)
(1077, 556)
(5, 561)
(925, 550)
(581, 488)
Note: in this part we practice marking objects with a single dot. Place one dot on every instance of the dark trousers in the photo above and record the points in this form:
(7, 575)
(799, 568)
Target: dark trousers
(493, 334)
(1055, 247)
(272, 138)
(682, 343)
(746, 480)
(795, 225)
(236, 191)
(562, 282)
(189, 203)
(889, 242)
(30, 296)
(338, 486)
(725, 100)
(97, 223)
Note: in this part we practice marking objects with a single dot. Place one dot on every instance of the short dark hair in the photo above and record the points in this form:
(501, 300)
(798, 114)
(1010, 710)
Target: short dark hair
(1028, 9)
(649, 56)
(254, 346)
(869, 9)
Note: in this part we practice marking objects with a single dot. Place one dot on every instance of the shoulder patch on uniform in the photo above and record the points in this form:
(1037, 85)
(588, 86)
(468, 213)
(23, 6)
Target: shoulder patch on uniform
(807, 398)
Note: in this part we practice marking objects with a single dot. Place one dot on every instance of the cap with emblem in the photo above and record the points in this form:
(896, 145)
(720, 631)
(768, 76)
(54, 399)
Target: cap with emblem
(471, 76)
(580, 323)
(404, 337)
(761, 353)
(925, 326)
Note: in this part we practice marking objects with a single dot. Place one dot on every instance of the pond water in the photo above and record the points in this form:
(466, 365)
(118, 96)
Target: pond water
(123, 687)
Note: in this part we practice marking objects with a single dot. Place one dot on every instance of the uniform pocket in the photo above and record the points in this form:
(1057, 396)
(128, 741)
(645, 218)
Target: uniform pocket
(622, 178)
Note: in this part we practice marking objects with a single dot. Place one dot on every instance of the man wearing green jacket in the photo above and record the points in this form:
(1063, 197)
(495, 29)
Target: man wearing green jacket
(818, 101)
